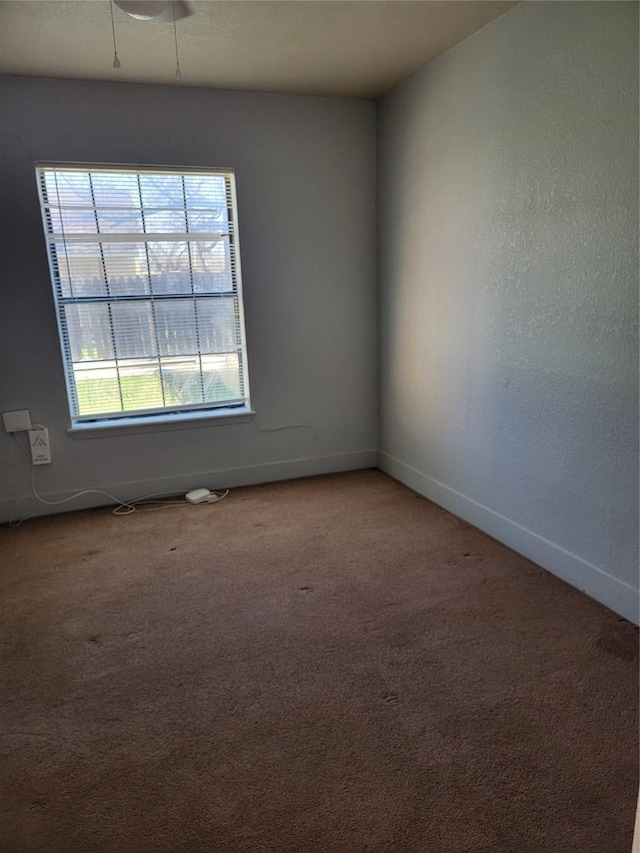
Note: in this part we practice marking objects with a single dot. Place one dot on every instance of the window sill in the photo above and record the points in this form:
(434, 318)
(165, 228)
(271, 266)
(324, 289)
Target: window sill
(161, 423)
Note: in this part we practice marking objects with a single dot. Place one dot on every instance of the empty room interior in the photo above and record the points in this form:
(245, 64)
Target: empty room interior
(319, 453)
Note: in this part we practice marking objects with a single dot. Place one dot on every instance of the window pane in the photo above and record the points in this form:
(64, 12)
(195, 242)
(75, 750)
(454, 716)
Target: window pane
(71, 202)
(161, 190)
(115, 189)
(141, 385)
(218, 326)
(79, 221)
(221, 378)
(133, 329)
(80, 269)
(211, 263)
(126, 268)
(182, 381)
(210, 221)
(169, 267)
(164, 221)
(122, 221)
(163, 202)
(206, 197)
(68, 187)
(176, 325)
(97, 389)
(89, 332)
(207, 191)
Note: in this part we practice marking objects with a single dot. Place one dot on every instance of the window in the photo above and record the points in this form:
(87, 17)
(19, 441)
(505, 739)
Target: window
(146, 278)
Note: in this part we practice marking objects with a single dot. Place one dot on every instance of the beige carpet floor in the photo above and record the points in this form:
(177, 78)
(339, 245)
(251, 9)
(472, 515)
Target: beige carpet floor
(329, 665)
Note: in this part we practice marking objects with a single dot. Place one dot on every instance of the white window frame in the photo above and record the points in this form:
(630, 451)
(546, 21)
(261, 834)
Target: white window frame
(172, 415)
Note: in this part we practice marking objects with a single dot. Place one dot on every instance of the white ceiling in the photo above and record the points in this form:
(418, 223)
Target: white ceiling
(335, 48)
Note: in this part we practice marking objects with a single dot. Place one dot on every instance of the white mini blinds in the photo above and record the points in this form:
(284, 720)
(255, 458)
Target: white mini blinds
(146, 276)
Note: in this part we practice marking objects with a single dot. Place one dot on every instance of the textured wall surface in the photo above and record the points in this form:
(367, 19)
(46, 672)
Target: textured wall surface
(508, 197)
(305, 173)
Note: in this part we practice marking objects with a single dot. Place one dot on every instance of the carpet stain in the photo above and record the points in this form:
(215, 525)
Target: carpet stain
(133, 635)
(619, 639)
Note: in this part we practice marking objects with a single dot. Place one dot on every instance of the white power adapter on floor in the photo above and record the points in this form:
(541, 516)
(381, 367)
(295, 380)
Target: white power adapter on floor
(201, 496)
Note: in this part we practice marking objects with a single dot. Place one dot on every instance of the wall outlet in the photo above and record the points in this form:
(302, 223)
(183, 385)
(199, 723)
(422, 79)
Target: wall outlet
(40, 448)
(17, 421)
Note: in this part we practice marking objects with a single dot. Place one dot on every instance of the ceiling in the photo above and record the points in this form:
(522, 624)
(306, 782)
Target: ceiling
(337, 48)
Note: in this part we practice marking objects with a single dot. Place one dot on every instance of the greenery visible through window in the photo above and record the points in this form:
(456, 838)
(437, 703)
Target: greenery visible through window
(146, 277)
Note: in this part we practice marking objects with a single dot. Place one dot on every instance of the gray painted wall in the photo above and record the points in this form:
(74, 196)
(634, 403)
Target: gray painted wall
(305, 172)
(508, 293)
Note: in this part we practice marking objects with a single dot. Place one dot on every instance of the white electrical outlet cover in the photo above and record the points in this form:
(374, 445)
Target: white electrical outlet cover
(17, 421)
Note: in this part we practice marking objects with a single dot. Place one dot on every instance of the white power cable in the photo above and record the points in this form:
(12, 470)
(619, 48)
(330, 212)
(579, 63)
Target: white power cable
(16, 497)
(122, 508)
(281, 428)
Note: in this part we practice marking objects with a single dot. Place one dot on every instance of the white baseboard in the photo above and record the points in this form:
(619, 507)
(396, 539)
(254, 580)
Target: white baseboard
(226, 478)
(613, 593)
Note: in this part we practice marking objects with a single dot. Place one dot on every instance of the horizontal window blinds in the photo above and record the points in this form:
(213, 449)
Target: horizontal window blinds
(146, 278)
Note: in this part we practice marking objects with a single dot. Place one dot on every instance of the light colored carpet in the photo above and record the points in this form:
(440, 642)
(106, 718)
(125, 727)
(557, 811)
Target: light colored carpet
(329, 665)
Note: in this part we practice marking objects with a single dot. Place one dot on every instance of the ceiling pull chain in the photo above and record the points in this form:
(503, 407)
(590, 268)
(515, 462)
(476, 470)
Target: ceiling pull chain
(116, 60)
(175, 40)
